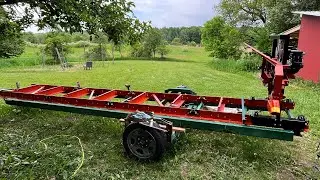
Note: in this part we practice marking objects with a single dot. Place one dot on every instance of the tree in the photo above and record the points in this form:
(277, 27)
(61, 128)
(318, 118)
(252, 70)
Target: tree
(70, 15)
(221, 39)
(113, 17)
(261, 38)
(30, 37)
(99, 52)
(11, 40)
(139, 50)
(242, 12)
(186, 34)
(56, 41)
(163, 50)
(260, 18)
(153, 39)
(190, 34)
(273, 14)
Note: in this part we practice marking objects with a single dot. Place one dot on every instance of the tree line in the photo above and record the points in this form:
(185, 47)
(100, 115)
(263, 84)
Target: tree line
(172, 35)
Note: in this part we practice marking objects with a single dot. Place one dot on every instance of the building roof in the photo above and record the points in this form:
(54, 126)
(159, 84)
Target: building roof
(309, 13)
(293, 31)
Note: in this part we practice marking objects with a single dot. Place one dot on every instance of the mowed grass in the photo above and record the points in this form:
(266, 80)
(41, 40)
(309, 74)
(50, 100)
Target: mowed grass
(41, 144)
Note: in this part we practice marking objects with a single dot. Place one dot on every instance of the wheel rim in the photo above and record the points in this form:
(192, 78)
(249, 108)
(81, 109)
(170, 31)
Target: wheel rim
(141, 143)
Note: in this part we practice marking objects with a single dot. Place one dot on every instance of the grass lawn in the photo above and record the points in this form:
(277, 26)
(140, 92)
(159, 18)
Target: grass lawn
(41, 144)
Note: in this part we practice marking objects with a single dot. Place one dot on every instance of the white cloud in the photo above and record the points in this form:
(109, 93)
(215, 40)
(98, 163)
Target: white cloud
(175, 12)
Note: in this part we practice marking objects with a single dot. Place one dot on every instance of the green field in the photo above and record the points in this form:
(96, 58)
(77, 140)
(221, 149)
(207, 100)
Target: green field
(41, 144)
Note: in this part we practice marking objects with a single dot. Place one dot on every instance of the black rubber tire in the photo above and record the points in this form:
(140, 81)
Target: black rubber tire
(159, 137)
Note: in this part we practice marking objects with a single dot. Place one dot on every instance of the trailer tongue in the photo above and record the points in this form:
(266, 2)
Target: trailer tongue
(151, 118)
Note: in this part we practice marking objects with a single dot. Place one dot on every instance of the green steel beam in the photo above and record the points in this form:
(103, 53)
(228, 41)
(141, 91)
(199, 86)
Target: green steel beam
(257, 131)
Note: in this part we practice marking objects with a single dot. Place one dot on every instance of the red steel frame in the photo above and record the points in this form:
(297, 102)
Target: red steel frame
(165, 104)
(274, 74)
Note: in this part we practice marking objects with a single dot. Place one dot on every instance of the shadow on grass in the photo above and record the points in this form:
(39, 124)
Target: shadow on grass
(151, 59)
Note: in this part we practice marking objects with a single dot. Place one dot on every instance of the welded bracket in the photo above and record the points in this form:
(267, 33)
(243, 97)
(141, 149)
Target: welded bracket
(244, 111)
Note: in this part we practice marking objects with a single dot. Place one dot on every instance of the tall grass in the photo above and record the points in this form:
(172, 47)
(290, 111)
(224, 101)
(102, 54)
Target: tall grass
(246, 63)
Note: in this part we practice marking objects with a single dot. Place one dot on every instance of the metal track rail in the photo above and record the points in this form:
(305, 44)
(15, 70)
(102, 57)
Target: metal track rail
(185, 110)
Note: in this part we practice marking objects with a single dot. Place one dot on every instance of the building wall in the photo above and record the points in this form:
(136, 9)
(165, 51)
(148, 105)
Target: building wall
(309, 42)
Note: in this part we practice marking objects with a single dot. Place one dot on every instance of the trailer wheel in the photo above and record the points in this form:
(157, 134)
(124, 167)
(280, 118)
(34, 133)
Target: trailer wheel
(143, 143)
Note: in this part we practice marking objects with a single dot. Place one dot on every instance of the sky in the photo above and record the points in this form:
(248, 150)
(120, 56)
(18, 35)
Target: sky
(175, 13)
(171, 13)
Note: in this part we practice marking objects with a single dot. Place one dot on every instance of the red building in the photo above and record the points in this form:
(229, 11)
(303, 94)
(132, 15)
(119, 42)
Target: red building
(308, 34)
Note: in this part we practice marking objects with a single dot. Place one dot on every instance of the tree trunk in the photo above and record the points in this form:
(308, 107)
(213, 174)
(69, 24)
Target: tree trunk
(112, 53)
(59, 57)
(101, 55)
(43, 58)
(84, 52)
(154, 54)
(120, 52)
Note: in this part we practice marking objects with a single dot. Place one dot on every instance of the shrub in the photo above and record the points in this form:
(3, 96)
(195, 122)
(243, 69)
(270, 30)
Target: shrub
(192, 43)
(176, 41)
(138, 50)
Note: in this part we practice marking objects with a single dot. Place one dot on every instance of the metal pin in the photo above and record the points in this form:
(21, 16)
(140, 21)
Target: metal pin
(17, 85)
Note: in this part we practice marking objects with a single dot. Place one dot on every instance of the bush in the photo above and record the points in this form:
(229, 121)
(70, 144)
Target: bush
(192, 43)
(138, 50)
(176, 42)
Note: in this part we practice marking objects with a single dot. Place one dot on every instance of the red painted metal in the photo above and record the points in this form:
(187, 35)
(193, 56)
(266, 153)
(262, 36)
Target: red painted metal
(309, 39)
(157, 100)
(221, 105)
(77, 93)
(140, 99)
(178, 101)
(134, 100)
(106, 96)
(51, 91)
(275, 77)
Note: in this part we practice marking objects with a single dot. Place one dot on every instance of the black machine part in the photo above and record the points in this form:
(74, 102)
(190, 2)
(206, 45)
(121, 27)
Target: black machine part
(297, 125)
(181, 90)
(146, 137)
(286, 54)
(144, 143)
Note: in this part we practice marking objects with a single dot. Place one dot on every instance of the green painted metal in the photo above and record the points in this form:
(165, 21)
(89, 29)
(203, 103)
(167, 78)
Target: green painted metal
(289, 113)
(200, 106)
(263, 132)
(180, 89)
